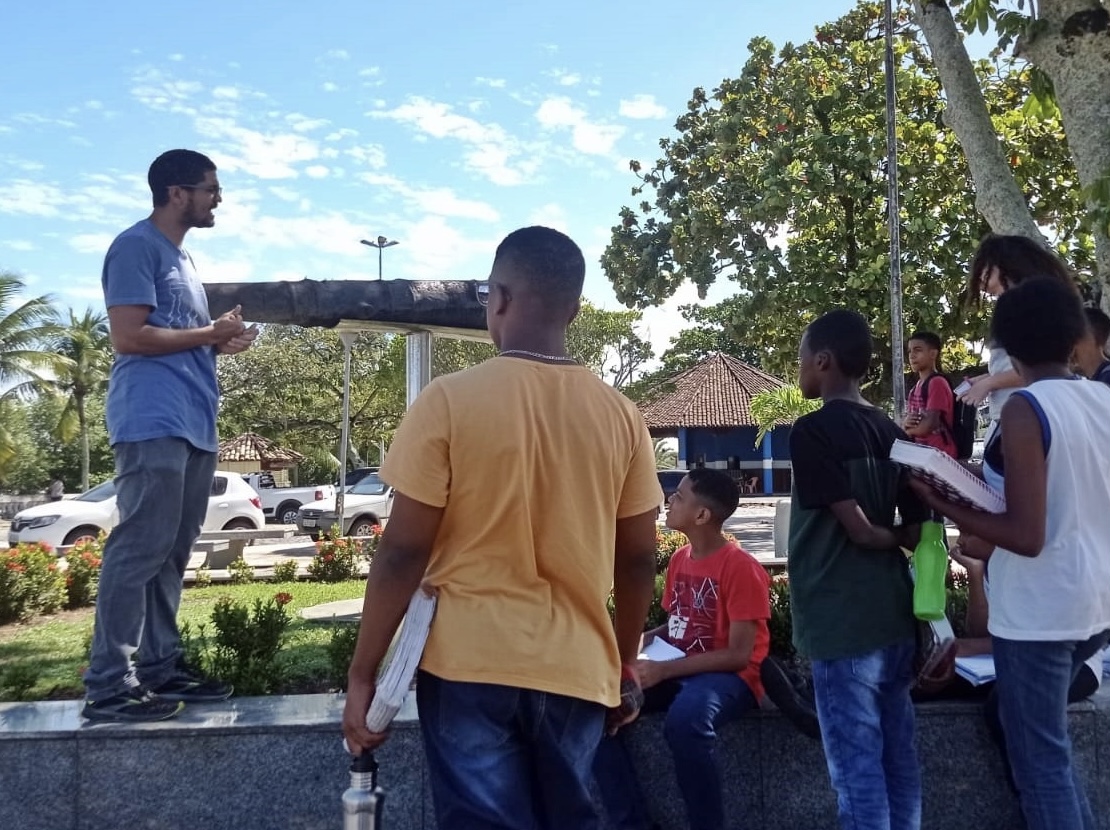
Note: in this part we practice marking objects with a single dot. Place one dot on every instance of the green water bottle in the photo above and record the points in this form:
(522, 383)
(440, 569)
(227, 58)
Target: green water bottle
(930, 566)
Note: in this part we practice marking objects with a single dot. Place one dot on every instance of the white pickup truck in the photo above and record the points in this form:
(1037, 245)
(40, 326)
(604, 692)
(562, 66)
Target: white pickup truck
(280, 504)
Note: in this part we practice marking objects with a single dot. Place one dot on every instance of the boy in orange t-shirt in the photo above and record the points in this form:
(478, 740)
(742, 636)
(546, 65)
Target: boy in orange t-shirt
(717, 597)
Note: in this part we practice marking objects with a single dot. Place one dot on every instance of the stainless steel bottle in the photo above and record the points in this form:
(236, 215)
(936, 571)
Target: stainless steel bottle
(363, 800)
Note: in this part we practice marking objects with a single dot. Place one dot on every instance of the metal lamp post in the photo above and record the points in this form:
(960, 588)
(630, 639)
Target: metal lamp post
(380, 243)
(897, 363)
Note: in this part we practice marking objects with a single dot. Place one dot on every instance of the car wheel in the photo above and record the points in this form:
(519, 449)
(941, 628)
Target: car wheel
(87, 533)
(240, 524)
(286, 513)
(363, 526)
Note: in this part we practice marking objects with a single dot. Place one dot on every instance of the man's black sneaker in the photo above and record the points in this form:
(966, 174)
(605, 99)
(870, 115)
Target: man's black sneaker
(792, 694)
(190, 686)
(137, 704)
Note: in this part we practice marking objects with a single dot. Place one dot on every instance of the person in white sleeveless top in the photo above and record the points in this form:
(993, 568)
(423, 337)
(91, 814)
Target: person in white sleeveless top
(1050, 569)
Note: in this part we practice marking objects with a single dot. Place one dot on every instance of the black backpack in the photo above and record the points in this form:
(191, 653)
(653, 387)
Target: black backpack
(965, 423)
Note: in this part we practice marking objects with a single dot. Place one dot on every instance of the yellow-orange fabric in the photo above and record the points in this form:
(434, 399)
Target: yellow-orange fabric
(533, 464)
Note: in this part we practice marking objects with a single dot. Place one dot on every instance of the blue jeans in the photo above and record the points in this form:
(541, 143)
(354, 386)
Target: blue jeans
(1032, 688)
(696, 707)
(503, 758)
(866, 716)
(162, 489)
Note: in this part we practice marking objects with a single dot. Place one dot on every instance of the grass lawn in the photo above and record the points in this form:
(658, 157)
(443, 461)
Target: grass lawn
(56, 646)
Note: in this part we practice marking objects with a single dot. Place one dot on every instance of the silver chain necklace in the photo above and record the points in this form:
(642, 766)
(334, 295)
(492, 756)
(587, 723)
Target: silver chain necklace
(524, 352)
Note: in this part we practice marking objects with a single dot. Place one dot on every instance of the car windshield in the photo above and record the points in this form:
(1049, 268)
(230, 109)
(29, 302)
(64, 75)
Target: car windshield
(371, 485)
(99, 493)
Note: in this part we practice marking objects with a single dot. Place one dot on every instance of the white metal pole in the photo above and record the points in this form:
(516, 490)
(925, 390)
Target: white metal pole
(418, 363)
(348, 339)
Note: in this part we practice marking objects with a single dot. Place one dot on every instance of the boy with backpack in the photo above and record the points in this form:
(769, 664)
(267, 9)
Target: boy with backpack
(930, 408)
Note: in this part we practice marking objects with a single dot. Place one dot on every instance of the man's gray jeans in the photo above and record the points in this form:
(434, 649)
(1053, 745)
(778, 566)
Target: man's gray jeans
(162, 489)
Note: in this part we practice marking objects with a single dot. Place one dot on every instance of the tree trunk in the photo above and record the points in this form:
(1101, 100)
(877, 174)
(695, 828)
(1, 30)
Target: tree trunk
(83, 425)
(1073, 49)
(997, 196)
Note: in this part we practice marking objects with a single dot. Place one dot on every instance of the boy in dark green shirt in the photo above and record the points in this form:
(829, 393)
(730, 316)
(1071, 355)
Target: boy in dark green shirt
(851, 594)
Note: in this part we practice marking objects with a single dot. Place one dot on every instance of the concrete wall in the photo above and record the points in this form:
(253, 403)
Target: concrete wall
(263, 763)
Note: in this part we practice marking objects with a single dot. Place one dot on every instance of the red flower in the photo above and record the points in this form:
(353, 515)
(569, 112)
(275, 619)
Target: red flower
(376, 530)
(283, 598)
(328, 557)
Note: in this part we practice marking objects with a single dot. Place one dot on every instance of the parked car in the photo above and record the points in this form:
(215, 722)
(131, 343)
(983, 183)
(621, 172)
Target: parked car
(232, 505)
(280, 504)
(355, 476)
(365, 504)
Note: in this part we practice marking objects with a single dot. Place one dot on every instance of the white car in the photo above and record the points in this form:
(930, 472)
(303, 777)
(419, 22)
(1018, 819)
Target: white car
(365, 504)
(232, 505)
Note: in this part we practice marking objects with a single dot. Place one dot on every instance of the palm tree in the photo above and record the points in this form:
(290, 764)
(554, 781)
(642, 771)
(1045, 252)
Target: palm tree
(86, 349)
(779, 407)
(26, 328)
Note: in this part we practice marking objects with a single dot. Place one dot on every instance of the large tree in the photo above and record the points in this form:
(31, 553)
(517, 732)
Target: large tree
(776, 180)
(1067, 43)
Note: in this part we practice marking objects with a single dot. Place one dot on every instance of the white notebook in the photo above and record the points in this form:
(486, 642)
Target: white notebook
(394, 681)
(948, 476)
(660, 650)
(977, 669)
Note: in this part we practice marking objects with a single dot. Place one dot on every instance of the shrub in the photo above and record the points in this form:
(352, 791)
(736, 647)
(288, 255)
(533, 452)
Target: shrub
(667, 542)
(341, 650)
(368, 545)
(336, 559)
(202, 577)
(30, 582)
(781, 625)
(245, 644)
(240, 572)
(83, 572)
(17, 680)
(286, 570)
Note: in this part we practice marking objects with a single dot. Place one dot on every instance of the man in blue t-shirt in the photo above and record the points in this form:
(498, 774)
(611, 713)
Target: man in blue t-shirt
(161, 413)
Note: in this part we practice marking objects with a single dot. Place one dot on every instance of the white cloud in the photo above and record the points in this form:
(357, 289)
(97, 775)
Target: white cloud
(642, 106)
(105, 202)
(432, 250)
(229, 93)
(316, 171)
(91, 243)
(38, 120)
(492, 152)
(19, 245)
(370, 72)
(339, 54)
(564, 78)
(550, 215)
(266, 156)
(177, 57)
(371, 155)
(341, 133)
(94, 105)
(561, 113)
(495, 83)
(152, 88)
(303, 124)
(329, 86)
(29, 198)
(286, 194)
(439, 201)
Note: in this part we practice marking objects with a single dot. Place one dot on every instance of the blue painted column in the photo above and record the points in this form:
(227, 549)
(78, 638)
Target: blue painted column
(681, 448)
(768, 466)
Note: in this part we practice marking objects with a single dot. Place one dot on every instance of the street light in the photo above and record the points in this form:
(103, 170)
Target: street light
(380, 243)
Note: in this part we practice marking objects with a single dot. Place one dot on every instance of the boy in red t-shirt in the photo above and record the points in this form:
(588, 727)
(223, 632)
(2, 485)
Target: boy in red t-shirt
(717, 597)
(929, 409)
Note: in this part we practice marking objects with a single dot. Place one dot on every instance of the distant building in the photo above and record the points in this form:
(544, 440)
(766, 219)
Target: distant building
(708, 409)
(251, 453)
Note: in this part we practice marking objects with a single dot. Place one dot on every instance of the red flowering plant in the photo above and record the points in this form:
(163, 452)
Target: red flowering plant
(83, 572)
(336, 559)
(30, 582)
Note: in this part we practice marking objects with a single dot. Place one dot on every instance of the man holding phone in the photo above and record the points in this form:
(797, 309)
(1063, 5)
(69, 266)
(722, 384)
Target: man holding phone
(161, 414)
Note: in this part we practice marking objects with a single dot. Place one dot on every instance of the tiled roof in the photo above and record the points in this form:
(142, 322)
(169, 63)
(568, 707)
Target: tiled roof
(252, 447)
(716, 393)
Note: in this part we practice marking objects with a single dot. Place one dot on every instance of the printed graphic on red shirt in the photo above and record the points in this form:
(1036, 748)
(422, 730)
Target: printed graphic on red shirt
(692, 625)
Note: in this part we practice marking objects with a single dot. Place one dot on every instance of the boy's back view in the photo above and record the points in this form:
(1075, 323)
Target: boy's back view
(851, 594)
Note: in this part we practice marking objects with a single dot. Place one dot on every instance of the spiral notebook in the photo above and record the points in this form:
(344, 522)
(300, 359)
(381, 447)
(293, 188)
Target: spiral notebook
(395, 680)
(948, 476)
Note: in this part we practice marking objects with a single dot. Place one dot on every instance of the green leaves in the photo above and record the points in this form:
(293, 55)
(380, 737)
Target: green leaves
(778, 407)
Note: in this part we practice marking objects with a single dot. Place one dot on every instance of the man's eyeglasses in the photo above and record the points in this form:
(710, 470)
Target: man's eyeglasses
(211, 190)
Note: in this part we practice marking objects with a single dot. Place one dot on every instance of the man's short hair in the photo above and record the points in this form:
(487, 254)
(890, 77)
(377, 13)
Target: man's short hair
(1039, 322)
(717, 490)
(1099, 324)
(845, 335)
(929, 338)
(176, 167)
(547, 261)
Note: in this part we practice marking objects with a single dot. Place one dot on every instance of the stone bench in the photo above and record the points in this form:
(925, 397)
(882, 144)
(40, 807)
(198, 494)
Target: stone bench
(263, 763)
(236, 541)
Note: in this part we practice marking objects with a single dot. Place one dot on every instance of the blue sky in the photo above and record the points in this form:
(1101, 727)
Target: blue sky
(442, 125)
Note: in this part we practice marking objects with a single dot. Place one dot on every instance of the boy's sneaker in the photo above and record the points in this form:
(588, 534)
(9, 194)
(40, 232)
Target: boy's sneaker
(190, 686)
(138, 704)
(792, 694)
